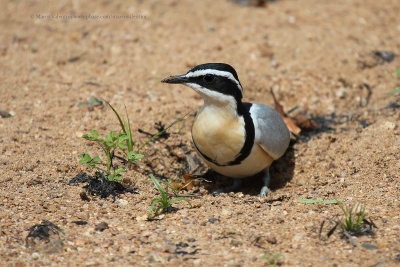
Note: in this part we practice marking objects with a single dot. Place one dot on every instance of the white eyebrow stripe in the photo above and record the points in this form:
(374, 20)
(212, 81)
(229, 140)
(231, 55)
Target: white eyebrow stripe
(225, 74)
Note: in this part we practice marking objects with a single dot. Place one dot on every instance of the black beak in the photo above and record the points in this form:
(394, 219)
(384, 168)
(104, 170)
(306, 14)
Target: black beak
(176, 79)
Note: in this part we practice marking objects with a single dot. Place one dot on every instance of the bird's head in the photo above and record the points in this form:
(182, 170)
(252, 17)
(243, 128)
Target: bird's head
(215, 82)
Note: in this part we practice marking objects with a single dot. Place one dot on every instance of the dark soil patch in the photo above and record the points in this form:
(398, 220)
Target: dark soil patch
(99, 185)
(45, 237)
(42, 231)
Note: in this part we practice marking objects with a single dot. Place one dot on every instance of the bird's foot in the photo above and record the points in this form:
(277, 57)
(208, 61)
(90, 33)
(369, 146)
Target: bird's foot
(265, 192)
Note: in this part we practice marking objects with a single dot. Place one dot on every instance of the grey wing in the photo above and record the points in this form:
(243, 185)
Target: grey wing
(271, 132)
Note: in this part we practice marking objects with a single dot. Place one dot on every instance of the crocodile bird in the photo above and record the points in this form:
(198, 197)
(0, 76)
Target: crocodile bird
(235, 138)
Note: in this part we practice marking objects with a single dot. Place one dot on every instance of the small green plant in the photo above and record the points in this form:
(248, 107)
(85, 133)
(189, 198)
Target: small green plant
(272, 259)
(318, 200)
(122, 141)
(397, 90)
(353, 222)
(164, 202)
(131, 154)
(109, 144)
(354, 218)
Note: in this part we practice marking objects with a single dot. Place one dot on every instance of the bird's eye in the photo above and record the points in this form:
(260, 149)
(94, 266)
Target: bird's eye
(208, 78)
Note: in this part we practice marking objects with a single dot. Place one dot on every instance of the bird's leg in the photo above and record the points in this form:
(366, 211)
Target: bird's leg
(237, 183)
(266, 179)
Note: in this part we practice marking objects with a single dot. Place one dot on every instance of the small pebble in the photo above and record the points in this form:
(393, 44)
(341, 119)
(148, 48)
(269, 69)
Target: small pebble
(80, 222)
(388, 125)
(122, 202)
(235, 242)
(4, 114)
(272, 240)
(101, 227)
(182, 245)
(386, 56)
(212, 220)
(226, 213)
(141, 218)
(84, 196)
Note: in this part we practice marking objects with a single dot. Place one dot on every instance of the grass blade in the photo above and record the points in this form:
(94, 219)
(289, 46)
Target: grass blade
(119, 118)
(175, 199)
(154, 202)
(129, 131)
(395, 91)
(318, 200)
(157, 184)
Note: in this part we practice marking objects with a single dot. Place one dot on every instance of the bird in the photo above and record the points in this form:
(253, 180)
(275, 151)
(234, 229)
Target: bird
(236, 139)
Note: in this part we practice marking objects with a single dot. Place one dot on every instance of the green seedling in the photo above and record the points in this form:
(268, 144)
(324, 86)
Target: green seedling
(123, 142)
(109, 144)
(88, 160)
(92, 102)
(131, 154)
(354, 218)
(397, 90)
(272, 259)
(164, 202)
(318, 200)
(354, 222)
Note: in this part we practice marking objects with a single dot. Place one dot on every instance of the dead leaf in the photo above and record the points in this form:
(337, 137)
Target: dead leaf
(188, 181)
(176, 185)
(291, 124)
(295, 124)
(186, 184)
(305, 123)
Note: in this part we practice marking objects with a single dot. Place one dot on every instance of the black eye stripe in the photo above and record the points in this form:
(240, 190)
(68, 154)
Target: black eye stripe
(208, 78)
(219, 84)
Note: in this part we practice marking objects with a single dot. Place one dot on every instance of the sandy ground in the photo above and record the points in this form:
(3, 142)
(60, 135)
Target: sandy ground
(317, 55)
